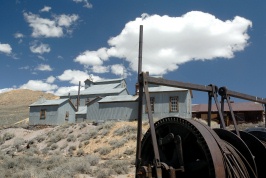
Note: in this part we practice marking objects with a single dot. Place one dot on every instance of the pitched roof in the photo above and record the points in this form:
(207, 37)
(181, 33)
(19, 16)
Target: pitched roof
(108, 80)
(99, 89)
(243, 106)
(44, 102)
(120, 98)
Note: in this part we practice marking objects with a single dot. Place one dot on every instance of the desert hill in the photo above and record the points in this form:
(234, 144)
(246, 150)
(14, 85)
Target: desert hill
(14, 104)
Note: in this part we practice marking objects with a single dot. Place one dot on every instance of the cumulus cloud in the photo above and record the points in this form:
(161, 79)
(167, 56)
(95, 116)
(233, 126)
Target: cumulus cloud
(18, 35)
(50, 79)
(91, 58)
(55, 27)
(74, 76)
(172, 41)
(43, 67)
(40, 48)
(5, 48)
(85, 2)
(39, 85)
(118, 69)
(45, 9)
(64, 90)
(3, 90)
(100, 69)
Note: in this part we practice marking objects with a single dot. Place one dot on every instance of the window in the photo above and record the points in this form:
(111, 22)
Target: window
(152, 100)
(87, 101)
(42, 114)
(67, 116)
(173, 104)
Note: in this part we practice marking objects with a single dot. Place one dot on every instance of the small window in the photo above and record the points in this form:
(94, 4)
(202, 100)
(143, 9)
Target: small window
(42, 114)
(67, 116)
(173, 105)
(87, 101)
(152, 100)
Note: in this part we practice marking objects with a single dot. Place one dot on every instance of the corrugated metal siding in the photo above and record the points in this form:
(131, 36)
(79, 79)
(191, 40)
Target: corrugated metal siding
(51, 115)
(118, 111)
(62, 113)
(93, 111)
(55, 115)
(161, 106)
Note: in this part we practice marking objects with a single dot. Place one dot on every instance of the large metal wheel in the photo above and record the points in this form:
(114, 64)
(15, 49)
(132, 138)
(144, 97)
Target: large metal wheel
(200, 153)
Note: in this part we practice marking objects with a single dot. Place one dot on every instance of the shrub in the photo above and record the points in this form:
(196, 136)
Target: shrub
(54, 146)
(82, 167)
(80, 152)
(8, 136)
(71, 138)
(82, 125)
(120, 166)
(102, 174)
(45, 150)
(86, 142)
(53, 162)
(18, 142)
(56, 138)
(93, 159)
(132, 136)
(123, 130)
(117, 143)
(108, 125)
(129, 151)
(63, 146)
(40, 138)
(2, 141)
(80, 145)
(72, 148)
(104, 150)
(104, 132)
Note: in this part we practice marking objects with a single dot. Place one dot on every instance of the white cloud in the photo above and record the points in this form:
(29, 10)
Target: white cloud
(46, 9)
(43, 67)
(40, 48)
(50, 79)
(86, 3)
(24, 68)
(18, 35)
(100, 69)
(64, 90)
(3, 90)
(91, 58)
(39, 85)
(118, 69)
(5, 48)
(43, 27)
(74, 76)
(172, 41)
(66, 20)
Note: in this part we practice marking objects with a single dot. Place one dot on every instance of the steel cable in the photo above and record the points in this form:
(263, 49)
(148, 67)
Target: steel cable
(235, 164)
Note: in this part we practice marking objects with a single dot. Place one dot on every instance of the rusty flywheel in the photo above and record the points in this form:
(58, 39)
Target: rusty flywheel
(188, 148)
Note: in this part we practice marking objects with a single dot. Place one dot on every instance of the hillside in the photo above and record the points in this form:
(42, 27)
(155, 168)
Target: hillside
(14, 105)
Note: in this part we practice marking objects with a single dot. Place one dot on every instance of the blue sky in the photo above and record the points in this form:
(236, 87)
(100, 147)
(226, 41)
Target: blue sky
(51, 45)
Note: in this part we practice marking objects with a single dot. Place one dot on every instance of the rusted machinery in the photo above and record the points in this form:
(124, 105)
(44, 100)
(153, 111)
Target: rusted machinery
(175, 147)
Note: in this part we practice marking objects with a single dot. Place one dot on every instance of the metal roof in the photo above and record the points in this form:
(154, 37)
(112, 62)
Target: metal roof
(99, 89)
(165, 88)
(82, 110)
(243, 106)
(108, 80)
(120, 98)
(44, 102)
